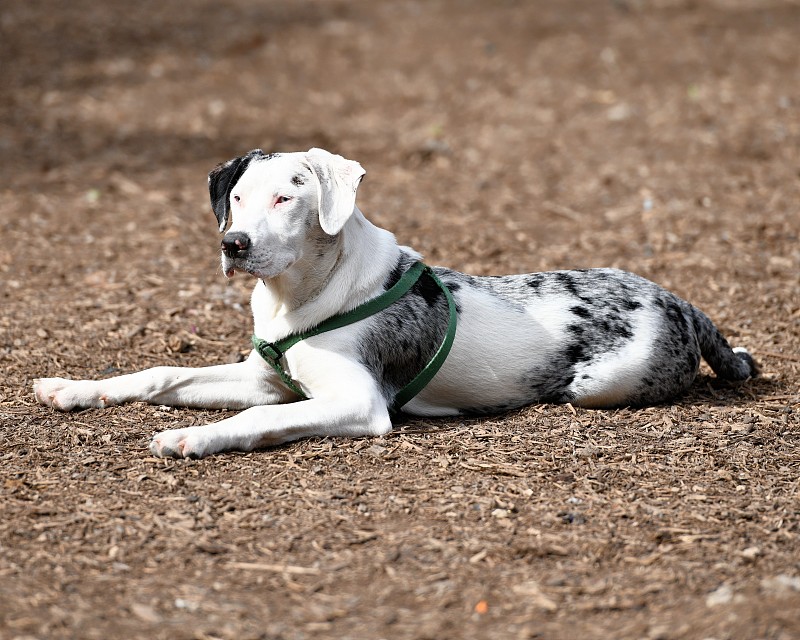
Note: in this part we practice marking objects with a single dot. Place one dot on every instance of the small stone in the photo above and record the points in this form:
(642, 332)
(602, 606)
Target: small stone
(781, 585)
(751, 553)
(659, 632)
(619, 112)
(187, 605)
(376, 450)
(145, 613)
(722, 595)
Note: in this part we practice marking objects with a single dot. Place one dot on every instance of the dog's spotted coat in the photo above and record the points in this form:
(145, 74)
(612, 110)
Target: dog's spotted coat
(594, 338)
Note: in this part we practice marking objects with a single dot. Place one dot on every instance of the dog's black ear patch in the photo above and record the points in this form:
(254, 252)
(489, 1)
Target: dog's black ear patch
(223, 178)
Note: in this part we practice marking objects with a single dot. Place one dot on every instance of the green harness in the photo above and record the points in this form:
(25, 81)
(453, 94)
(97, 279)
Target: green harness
(272, 352)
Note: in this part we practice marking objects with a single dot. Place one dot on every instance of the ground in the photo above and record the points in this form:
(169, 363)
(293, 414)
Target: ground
(658, 136)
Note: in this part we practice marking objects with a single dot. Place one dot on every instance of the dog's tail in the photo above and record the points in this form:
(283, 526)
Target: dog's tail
(734, 364)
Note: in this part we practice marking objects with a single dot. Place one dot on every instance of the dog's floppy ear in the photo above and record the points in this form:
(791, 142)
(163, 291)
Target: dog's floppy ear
(337, 182)
(221, 181)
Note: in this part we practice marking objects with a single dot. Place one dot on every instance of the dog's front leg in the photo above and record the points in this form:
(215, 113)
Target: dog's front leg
(272, 425)
(228, 386)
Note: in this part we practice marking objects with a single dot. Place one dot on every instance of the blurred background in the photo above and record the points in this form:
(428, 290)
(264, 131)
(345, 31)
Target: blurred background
(659, 136)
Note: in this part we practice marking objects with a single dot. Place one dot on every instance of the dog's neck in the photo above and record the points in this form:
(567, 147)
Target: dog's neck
(305, 281)
(337, 274)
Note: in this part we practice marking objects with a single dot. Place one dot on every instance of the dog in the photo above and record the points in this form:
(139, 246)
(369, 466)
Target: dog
(595, 338)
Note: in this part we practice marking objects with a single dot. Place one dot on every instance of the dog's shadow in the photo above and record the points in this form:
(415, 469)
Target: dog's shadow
(707, 391)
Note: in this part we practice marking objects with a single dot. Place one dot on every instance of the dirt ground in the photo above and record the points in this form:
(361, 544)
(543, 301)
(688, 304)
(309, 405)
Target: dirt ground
(658, 136)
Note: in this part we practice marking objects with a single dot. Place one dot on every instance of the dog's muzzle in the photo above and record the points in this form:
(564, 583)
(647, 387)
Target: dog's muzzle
(235, 244)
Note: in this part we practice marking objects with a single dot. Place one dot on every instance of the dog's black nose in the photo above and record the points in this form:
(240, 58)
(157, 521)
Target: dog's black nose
(235, 244)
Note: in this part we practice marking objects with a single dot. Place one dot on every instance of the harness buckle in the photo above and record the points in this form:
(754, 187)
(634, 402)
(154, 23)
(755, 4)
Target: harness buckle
(269, 351)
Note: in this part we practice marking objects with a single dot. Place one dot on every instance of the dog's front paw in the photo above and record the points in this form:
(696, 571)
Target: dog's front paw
(66, 395)
(191, 442)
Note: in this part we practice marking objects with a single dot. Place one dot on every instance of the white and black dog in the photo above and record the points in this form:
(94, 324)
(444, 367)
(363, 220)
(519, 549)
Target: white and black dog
(594, 338)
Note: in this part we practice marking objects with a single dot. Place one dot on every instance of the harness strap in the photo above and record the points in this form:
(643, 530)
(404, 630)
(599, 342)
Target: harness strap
(272, 352)
(421, 380)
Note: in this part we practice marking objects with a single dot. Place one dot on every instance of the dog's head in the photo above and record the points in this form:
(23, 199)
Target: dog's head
(279, 206)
